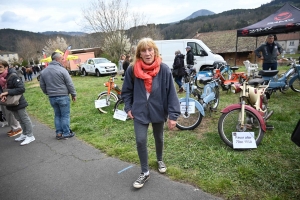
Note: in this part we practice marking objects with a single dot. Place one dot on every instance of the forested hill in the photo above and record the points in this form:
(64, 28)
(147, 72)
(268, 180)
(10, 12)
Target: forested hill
(228, 20)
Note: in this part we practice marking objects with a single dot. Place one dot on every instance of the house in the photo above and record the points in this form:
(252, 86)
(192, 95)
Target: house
(9, 57)
(224, 43)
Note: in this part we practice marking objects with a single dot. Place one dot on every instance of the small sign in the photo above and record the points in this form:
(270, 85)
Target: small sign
(199, 76)
(101, 103)
(120, 115)
(243, 140)
(191, 108)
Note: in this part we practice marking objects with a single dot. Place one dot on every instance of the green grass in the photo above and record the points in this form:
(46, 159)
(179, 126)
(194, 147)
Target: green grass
(198, 157)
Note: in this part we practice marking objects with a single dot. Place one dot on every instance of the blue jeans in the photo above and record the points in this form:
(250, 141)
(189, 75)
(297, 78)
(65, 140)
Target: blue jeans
(267, 66)
(61, 106)
(178, 81)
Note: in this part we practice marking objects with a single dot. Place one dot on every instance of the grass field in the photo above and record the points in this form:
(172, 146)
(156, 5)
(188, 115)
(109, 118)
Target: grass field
(198, 157)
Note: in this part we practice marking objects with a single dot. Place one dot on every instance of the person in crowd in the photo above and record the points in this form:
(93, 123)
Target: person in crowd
(29, 73)
(14, 86)
(150, 97)
(268, 52)
(126, 63)
(122, 58)
(56, 82)
(178, 69)
(19, 72)
(189, 56)
(24, 72)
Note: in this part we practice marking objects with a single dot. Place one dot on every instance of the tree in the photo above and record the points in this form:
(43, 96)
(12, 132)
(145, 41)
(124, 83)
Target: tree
(112, 18)
(51, 45)
(28, 49)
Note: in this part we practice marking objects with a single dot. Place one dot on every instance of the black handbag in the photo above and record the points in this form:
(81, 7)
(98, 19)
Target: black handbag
(296, 135)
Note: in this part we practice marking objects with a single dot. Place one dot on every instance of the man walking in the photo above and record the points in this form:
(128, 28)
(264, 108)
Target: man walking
(269, 50)
(56, 82)
(189, 56)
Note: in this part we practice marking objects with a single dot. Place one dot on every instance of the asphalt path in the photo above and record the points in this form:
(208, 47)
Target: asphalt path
(50, 169)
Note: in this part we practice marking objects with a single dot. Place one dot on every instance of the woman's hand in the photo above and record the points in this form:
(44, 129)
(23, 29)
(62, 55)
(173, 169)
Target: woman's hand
(130, 115)
(171, 124)
(3, 94)
(3, 98)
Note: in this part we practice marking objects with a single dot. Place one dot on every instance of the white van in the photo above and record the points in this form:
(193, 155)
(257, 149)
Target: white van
(203, 56)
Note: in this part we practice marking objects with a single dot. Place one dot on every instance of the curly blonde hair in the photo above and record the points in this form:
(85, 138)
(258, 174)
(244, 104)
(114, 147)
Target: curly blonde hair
(142, 45)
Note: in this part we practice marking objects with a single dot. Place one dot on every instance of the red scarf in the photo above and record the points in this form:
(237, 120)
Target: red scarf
(147, 72)
(3, 76)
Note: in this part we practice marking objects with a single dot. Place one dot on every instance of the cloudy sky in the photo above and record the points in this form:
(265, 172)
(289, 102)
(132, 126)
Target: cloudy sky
(66, 15)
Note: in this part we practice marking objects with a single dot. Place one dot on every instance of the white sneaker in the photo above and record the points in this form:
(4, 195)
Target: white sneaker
(28, 140)
(20, 138)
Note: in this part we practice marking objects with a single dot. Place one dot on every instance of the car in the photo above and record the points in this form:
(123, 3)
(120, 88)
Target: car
(98, 66)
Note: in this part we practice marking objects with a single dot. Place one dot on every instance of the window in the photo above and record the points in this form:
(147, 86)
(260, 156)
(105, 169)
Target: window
(291, 43)
(196, 48)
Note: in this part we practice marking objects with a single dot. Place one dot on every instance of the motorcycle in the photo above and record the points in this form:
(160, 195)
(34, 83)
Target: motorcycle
(290, 79)
(249, 115)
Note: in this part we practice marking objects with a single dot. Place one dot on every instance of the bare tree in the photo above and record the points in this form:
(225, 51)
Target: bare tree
(51, 45)
(28, 49)
(112, 18)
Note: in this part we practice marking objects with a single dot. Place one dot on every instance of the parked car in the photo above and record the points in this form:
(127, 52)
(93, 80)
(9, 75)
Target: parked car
(98, 66)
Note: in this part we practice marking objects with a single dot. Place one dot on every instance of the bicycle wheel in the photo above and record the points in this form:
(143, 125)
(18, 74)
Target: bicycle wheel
(215, 102)
(120, 106)
(296, 85)
(230, 122)
(189, 121)
(111, 100)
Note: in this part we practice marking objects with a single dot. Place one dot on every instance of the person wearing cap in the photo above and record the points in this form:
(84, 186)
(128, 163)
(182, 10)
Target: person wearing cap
(57, 84)
(189, 56)
(268, 52)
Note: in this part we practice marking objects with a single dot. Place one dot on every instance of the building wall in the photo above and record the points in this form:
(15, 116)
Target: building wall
(9, 57)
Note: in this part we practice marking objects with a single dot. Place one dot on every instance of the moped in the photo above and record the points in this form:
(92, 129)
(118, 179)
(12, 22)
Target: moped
(193, 110)
(249, 115)
(290, 79)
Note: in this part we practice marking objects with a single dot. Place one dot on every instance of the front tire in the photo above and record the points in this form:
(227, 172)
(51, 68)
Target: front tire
(111, 100)
(230, 122)
(215, 102)
(189, 121)
(98, 73)
(296, 85)
(84, 72)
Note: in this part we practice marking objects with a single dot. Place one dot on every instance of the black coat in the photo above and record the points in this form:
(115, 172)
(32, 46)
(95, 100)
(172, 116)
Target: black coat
(179, 64)
(190, 58)
(16, 86)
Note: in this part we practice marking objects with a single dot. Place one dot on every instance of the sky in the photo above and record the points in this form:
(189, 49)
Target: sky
(66, 15)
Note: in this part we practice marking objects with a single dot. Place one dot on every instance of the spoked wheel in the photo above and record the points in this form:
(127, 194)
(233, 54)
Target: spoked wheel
(110, 100)
(120, 105)
(189, 121)
(230, 122)
(215, 103)
(296, 85)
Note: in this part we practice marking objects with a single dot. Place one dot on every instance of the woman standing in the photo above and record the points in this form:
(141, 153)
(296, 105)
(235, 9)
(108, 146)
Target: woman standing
(150, 97)
(11, 120)
(15, 87)
(178, 65)
(126, 64)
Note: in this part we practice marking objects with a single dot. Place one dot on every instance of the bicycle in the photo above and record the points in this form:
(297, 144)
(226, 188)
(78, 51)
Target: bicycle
(192, 110)
(108, 97)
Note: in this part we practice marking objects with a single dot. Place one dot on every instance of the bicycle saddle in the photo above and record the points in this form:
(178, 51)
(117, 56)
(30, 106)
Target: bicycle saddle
(205, 80)
(256, 81)
(268, 73)
(233, 68)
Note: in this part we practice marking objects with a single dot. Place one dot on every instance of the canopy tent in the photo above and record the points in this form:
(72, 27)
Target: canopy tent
(284, 20)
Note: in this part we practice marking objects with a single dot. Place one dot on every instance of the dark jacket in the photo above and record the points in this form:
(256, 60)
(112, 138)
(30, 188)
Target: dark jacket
(190, 58)
(125, 65)
(16, 86)
(162, 102)
(269, 57)
(179, 64)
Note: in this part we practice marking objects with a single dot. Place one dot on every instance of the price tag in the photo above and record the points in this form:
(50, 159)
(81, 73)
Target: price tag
(120, 115)
(101, 103)
(243, 140)
(191, 108)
